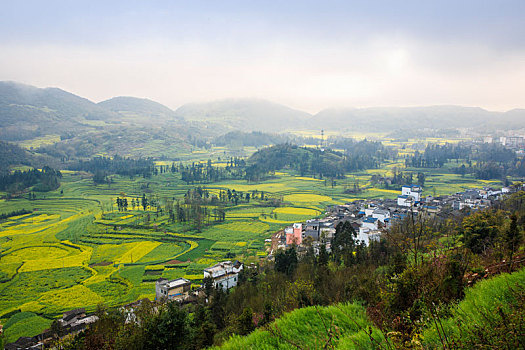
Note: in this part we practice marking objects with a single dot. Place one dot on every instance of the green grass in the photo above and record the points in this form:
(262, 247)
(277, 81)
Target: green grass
(110, 291)
(306, 328)
(487, 310)
(24, 324)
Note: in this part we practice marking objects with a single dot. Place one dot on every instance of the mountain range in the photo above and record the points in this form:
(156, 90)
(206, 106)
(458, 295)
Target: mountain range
(27, 112)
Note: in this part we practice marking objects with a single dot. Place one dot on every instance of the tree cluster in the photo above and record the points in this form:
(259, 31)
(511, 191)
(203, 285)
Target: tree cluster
(47, 179)
(313, 161)
(116, 165)
(206, 173)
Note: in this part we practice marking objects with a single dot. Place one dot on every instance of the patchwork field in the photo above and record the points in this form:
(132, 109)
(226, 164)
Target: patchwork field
(75, 249)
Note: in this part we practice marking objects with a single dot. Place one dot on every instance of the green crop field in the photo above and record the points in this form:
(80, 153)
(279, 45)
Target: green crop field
(75, 249)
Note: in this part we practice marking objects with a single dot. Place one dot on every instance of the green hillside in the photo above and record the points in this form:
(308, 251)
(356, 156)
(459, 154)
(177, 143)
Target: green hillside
(139, 110)
(341, 326)
(245, 114)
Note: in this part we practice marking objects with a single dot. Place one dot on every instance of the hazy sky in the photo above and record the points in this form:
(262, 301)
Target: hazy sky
(306, 54)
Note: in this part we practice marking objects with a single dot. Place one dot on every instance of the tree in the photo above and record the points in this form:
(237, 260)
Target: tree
(204, 328)
(144, 201)
(207, 282)
(480, 229)
(99, 177)
(168, 330)
(421, 179)
(343, 243)
(512, 238)
(286, 261)
(245, 322)
(322, 259)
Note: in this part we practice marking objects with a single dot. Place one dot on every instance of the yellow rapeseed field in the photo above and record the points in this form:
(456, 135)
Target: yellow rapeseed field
(137, 250)
(296, 211)
(306, 197)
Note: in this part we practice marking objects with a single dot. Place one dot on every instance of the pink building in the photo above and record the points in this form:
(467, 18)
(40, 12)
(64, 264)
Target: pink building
(294, 234)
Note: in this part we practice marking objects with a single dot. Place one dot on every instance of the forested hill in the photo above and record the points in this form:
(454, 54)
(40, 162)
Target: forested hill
(139, 110)
(388, 119)
(27, 112)
(72, 127)
(313, 161)
(12, 155)
(246, 114)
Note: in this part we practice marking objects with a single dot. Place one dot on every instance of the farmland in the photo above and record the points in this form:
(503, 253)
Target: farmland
(75, 249)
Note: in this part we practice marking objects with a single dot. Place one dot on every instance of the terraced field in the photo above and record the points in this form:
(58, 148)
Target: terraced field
(76, 250)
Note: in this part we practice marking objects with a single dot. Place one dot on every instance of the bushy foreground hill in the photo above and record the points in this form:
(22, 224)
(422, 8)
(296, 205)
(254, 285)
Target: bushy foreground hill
(492, 312)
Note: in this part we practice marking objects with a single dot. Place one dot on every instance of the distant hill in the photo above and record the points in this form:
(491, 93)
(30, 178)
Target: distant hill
(139, 110)
(124, 125)
(245, 114)
(27, 112)
(12, 155)
(407, 118)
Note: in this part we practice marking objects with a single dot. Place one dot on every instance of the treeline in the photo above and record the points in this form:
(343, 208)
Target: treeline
(313, 161)
(399, 178)
(408, 281)
(44, 180)
(103, 166)
(435, 156)
(483, 161)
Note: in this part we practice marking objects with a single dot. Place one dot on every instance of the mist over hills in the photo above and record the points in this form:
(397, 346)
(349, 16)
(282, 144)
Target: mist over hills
(412, 118)
(139, 110)
(245, 114)
(27, 112)
(261, 115)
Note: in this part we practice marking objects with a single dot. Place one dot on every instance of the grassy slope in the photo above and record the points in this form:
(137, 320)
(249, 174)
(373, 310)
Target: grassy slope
(486, 311)
(477, 315)
(342, 326)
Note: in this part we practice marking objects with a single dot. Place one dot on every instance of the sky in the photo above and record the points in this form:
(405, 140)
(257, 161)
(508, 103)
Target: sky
(308, 55)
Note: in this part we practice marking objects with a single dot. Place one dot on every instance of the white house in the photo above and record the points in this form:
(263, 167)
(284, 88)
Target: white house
(225, 274)
(381, 215)
(369, 224)
(405, 201)
(172, 290)
(414, 191)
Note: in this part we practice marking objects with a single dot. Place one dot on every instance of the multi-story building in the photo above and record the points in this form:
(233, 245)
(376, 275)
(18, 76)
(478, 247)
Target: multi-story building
(225, 274)
(294, 234)
(172, 289)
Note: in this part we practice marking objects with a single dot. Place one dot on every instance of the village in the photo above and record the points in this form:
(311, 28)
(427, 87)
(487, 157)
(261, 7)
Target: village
(371, 218)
